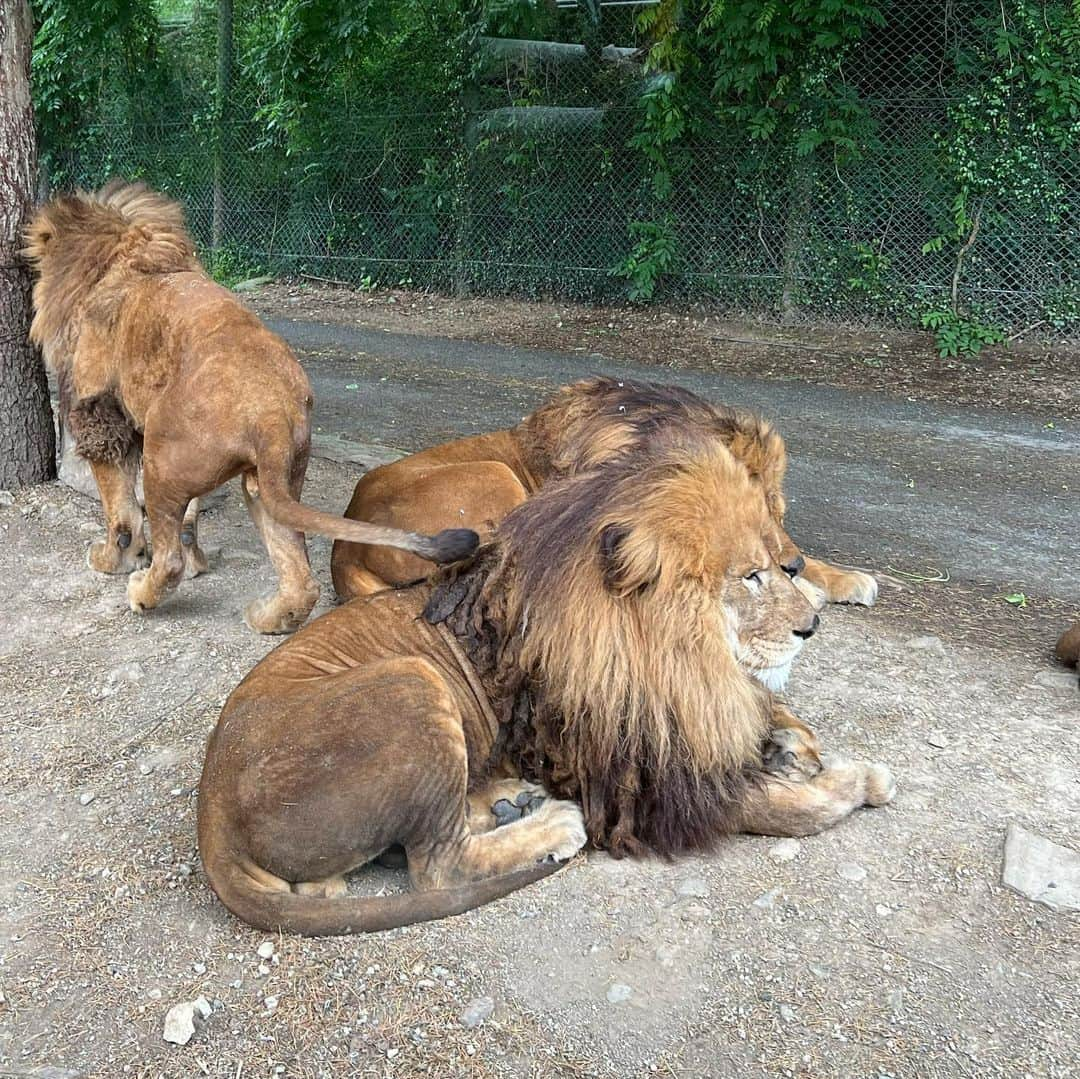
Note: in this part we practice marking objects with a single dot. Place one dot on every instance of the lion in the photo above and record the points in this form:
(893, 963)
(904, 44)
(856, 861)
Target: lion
(474, 482)
(154, 360)
(601, 671)
(1068, 647)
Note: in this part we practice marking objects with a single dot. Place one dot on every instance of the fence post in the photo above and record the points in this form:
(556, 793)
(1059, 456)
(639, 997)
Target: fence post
(224, 84)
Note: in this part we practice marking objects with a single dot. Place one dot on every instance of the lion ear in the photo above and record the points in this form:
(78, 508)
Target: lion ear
(629, 561)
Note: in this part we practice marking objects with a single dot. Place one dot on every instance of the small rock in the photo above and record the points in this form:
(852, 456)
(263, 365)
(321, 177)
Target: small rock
(265, 950)
(819, 972)
(767, 900)
(927, 644)
(666, 955)
(938, 740)
(1062, 680)
(391, 1053)
(180, 1022)
(883, 911)
(199, 968)
(851, 871)
(476, 1011)
(203, 1007)
(7, 498)
(787, 1013)
(785, 850)
(263, 970)
(1042, 870)
(618, 993)
(86, 798)
(693, 886)
(144, 768)
(270, 1003)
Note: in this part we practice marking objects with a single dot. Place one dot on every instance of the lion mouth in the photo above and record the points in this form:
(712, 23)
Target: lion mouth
(773, 678)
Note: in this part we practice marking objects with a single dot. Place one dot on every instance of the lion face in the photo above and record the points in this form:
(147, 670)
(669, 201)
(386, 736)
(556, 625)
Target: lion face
(707, 534)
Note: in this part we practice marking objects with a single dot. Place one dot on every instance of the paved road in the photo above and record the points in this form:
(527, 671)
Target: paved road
(873, 480)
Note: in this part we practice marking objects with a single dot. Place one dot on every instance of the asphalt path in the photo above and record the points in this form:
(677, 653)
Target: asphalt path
(991, 499)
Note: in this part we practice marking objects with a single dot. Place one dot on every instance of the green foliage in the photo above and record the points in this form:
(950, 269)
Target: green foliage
(958, 335)
(652, 255)
(229, 266)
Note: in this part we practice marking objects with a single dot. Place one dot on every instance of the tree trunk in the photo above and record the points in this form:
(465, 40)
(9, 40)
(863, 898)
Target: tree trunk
(224, 89)
(27, 436)
(796, 233)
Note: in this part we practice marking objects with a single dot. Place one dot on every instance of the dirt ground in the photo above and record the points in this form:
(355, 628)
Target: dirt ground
(1032, 375)
(884, 948)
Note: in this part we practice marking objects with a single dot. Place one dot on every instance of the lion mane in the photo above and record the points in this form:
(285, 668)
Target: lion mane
(613, 679)
(596, 420)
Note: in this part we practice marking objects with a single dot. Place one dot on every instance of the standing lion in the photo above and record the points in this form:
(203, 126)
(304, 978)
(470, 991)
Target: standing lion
(155, 360)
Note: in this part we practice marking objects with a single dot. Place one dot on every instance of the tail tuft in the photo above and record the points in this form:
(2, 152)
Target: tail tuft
(452, 545)
(1068, 647)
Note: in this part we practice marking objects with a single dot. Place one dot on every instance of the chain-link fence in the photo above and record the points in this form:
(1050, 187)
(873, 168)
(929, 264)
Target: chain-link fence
(932, 187)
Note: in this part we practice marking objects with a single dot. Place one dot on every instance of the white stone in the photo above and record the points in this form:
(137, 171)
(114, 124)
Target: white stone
(785, 850)
(265, 950)
(619, 993)
(87, 798)
(1044, 871)
(851, 871)
(476, 1011)
(693, 886)
(180, 1023)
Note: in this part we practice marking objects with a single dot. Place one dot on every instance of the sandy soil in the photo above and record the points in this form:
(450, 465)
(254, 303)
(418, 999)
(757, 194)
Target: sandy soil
(1032, 375)
(886, 947)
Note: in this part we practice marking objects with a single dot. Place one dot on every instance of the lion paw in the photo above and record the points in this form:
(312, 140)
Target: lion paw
(880, 787)
(791, 753)
(140, 597)
(195, 561)
(277, 615)
(563, 833)
(854, 587)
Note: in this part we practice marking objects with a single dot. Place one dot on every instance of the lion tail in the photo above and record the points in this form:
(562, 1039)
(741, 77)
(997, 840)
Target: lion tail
(274, 910)
(450, 545)
(1068, 646)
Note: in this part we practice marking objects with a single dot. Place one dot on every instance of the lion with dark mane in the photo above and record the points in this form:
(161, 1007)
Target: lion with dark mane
(603, 670)
(474, 482)
(155, 361)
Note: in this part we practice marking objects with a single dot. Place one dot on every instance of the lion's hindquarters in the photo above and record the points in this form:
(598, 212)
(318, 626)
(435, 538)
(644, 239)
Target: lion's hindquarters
(474, 495)
(330, 776)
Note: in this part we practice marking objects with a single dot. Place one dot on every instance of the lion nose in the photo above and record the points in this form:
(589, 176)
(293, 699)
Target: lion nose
(810, 630)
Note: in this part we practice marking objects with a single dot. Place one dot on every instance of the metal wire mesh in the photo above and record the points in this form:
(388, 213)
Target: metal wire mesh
(532, 184)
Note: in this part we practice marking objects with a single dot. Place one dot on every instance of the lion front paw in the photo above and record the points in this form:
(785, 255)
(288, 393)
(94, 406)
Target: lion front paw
(563, 833)
(792, 753)
(854, 587)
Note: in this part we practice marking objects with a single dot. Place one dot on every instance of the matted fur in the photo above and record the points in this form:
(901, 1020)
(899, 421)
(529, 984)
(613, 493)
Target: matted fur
(1068, 646)
(629, 699)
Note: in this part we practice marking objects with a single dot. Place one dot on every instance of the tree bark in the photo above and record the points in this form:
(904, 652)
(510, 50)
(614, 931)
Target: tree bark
(224, 89)
(27, 435)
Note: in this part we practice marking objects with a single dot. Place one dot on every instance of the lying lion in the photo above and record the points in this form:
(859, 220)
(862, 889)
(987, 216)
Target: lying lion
(154, 359)
(475, 482)
(599, 671)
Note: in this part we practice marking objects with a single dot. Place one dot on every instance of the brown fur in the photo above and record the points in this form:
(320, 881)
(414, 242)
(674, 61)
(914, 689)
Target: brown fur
(1068, 646)
(476, 481)
(611, 643)
(152, 355)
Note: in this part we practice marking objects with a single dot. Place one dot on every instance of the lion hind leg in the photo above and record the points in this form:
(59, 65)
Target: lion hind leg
(840, 585)
(286, 609)
(124, 547)
(785, 808)
(328, 888)
(195, 562)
